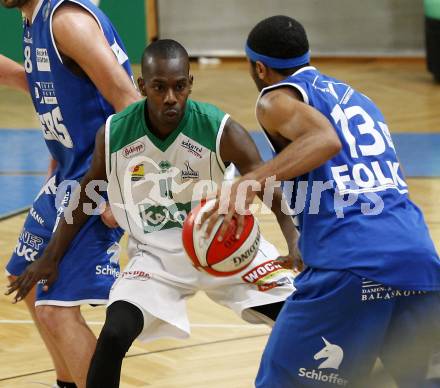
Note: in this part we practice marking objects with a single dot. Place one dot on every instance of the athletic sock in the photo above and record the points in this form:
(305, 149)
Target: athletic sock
(64, 384)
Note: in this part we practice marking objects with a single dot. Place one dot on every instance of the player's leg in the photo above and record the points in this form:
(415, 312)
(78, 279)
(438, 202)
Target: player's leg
(32, 241)
(143, 304)
(61, 369)
(73, 338)
(85, 276)
(123, 323)
(325, 334)
(411, 352)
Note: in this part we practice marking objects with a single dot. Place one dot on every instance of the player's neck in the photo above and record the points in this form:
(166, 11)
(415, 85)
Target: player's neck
(29, 8)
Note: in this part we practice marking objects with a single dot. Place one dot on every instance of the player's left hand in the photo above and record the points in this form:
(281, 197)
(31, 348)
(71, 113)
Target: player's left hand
(233, 203)
(293, 262)
(107, 216)
(44, 269)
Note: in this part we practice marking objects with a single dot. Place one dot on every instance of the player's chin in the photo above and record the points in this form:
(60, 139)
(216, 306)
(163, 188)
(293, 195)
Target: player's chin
(13, 3)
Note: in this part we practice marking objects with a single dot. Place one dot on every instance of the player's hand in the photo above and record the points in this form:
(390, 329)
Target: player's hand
(107, 216)
(232, 201)
(292, 261)
(45, 269)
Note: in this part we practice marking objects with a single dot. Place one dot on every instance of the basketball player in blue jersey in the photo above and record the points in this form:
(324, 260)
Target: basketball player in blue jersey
(78, 74)
(370, 288)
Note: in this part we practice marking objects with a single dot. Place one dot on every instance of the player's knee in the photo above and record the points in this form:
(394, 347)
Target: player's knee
(55, 319)
(114, 340)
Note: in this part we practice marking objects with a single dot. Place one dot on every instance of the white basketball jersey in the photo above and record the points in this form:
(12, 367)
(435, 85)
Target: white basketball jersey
(154, 183)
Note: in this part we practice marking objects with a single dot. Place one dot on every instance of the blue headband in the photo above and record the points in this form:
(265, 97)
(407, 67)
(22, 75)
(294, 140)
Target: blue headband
(278, 63)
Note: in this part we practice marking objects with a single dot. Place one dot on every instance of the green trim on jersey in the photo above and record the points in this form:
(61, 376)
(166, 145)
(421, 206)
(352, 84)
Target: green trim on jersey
(204, 123)
(200, 122)
(125, 126)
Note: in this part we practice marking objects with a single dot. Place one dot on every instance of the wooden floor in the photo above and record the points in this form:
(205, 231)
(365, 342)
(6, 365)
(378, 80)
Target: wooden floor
(223, 351)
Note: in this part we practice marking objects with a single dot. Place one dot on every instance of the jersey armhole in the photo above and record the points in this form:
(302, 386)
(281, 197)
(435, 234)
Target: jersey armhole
(218, 140)
(108, 155)
(300, 89)
(51, 28)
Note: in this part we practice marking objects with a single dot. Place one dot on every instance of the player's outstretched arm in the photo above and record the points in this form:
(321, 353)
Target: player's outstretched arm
(237, 147)
(310, 141)
(45, 268)
(79, 37)
(12, 74)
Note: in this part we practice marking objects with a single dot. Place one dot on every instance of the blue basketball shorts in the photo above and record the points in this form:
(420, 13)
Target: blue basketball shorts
(90, 266)
(335, 326)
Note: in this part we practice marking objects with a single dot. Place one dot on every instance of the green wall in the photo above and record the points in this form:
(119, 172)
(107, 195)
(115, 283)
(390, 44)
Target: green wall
(127, 16)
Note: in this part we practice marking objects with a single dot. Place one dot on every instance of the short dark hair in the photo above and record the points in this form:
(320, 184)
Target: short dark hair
(279, 37)
(164, 49)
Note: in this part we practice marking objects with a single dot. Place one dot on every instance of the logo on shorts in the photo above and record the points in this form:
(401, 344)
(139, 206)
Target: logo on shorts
(372, 291)
(36, 216)
(28, 246)
(43, 63)
(333, 355)
(269, 275)
(133, 149)
(136, 275)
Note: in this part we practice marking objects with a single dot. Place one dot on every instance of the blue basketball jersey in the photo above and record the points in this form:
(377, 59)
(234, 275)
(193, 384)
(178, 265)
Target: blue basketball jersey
(354, 212)
(69, 106)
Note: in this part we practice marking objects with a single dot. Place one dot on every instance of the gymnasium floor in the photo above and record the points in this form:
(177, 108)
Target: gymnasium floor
(223, 351)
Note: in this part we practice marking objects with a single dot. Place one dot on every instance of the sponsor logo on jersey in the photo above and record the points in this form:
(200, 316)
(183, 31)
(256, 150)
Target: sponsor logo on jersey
(28, 246)
(119, 53)
(137, 172)
(43, 63)
(157, 217)
(27, 37)
(133, 149)
(36, 216)
(333, 356)
(269, 275)
(192, 148)
(45, 93)
(189, 173)
(164, 165)
(372, 291)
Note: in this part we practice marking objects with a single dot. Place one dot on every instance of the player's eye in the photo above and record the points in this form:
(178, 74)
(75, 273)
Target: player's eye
(158, 87)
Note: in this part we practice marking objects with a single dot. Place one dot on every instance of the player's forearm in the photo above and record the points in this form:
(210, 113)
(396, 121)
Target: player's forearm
(12, 74)
(124, 98)
(69, 226)
(285, 221)
(298, 158)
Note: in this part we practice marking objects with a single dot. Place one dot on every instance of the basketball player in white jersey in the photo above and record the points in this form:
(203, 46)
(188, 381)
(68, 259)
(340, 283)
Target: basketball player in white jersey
(153, 155)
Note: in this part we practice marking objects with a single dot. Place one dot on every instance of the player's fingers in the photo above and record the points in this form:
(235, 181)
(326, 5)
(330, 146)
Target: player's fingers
(210, 224)
(240, 226)
(225, 225)
(207, 214)
(50, 281)
(24, 287)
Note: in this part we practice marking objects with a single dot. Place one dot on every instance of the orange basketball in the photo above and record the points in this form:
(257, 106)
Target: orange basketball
(220, 258)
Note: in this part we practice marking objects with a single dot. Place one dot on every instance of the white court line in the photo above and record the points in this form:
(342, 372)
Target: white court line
(97, 323)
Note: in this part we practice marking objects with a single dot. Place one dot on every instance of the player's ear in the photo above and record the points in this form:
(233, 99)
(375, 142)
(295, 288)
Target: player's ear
(141, 84)
(260, 70)
(191, 82)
